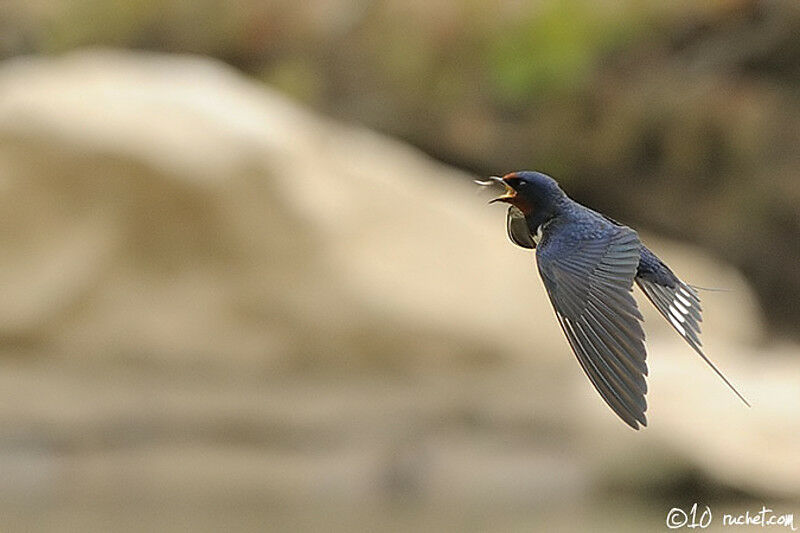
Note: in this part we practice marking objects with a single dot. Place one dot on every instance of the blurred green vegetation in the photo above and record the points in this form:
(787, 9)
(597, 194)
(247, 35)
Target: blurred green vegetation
(683, 117)
(556, 50)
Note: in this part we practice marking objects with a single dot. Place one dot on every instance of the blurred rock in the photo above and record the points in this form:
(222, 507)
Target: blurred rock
(165, 205)
(217, 291)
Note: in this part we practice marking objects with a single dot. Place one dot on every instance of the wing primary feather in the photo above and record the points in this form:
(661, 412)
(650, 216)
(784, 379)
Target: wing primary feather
(633, 368)
(603, 361)
(597, 380)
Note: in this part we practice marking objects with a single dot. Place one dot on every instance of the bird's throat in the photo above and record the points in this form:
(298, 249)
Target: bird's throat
(522, 203)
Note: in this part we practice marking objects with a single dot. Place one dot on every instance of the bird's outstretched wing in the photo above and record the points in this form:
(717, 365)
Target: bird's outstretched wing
(517, 228)
(589, 280)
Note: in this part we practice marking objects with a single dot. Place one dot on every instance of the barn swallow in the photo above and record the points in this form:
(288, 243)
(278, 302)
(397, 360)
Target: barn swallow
(588, 263)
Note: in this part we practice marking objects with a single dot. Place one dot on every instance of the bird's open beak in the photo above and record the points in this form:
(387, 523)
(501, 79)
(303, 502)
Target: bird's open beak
(507, 195)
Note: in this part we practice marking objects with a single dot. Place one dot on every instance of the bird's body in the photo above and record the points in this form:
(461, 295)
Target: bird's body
(588, 263)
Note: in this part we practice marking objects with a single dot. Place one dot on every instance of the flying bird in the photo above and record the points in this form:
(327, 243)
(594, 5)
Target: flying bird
(589, 263)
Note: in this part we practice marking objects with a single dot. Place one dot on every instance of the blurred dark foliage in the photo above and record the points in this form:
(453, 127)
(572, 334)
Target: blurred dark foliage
(683, 117)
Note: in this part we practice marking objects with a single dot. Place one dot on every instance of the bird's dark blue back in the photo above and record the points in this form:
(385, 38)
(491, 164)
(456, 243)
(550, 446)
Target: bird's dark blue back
(651, 268)
(576, 224)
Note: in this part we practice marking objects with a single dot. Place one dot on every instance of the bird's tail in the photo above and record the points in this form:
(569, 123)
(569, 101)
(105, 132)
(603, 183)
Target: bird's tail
(680, 305)
(709, 289)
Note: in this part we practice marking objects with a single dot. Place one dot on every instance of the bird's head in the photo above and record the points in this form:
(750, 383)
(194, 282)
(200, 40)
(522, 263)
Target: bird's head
(526, 190)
